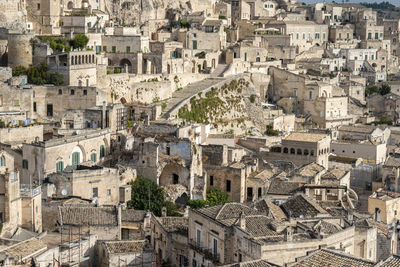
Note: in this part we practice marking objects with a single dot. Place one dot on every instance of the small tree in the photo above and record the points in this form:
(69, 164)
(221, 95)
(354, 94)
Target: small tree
(197, 203)
(19, 70)
(80, 41)
(215, 197)
(385, 89)
(145, 192)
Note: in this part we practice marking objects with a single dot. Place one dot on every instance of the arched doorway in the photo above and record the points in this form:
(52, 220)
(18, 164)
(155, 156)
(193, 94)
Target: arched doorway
(126, 65)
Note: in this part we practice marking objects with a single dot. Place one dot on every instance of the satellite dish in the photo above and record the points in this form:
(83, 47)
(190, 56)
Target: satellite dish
(64, 192)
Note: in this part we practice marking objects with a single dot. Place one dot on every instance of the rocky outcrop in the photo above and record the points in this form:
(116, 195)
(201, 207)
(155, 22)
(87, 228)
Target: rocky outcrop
(140, 11)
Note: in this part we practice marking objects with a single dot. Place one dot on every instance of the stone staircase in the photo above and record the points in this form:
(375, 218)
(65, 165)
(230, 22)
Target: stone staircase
(188, 92)
(219, 71)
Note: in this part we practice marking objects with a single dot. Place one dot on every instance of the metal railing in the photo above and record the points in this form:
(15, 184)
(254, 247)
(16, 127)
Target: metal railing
(208, 253)
(27, 190)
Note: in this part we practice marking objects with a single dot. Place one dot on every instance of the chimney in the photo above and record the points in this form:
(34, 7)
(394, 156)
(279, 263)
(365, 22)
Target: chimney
(103, 115)
(242, 221)
(164, 212)
(350, 216)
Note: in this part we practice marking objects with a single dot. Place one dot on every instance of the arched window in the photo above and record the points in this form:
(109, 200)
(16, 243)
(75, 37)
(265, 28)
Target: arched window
(305, 152)
(257, 59)
(93, 157)
(102, 151)
(312, 152)
(285, 150)
(2, 161)
(292, 151)
(299, 152)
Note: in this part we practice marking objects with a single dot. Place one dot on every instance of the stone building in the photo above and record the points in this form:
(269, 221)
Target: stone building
(105, 222)
(364, 132)
(77, 67)
(20, 204)
(45, 16)
(42, 158)
(209, 36)
(341, 33)
(303, 34)
(370, 152)
(302, 148)
(114, 253)
(107, 186)
(384, 206)
(169, 237)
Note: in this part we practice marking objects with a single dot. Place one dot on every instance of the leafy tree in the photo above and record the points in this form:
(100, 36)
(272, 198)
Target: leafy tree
(80, 41)
(142, 190)
(197, 203)
(55, 78)
(270, 131)
(385, 89)
(19, 70)
(215, 197)
(371, 90)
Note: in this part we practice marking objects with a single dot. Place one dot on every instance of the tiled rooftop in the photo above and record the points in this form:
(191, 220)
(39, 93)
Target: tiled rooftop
(325, 258)
(278, 187)
(74, 215)
(117, 247)
(270, 209)
(131, 215)
(392, 261)
(301, 205)
(228, 213)
(259, 225)
(256, 263)
(25, 248)
(305, 137)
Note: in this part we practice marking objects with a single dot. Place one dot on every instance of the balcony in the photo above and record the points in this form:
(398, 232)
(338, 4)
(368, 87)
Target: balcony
(206, 252)
(29, 191)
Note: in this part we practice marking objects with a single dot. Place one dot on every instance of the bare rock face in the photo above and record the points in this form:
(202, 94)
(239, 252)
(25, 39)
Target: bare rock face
(12, 15)
(139, 11)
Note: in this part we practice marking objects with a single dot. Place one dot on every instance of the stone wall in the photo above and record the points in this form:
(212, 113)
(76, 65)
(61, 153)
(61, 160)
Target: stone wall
(21, 134)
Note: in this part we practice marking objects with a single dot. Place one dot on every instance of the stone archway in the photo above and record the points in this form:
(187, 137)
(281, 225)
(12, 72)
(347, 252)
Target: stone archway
(126, 65)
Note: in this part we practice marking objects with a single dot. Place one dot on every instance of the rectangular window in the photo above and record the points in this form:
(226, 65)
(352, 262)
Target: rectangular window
(85, 91)
(38, 6)
(108, 192)
(49, 110)
(323, 36)
(128, 49)
(34, 106)
(114, 49)
(25, 164)
(93, 157)
(228, 185)
(211, 180)
(104, 48)
(198, 237)
(215, 247)
(194, 44)
(89, 24)
(95, 192)
(60, 166)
